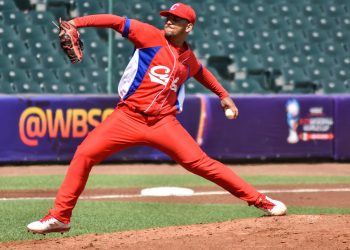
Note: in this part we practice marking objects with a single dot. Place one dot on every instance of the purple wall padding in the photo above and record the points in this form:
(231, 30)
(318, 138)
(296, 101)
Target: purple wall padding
(342, 128)
(268, 127)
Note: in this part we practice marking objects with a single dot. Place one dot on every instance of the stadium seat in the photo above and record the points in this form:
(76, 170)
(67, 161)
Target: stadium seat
(311, 10)
(333, 9)
(42, 18)
(52, 60)
(258, 48)
(122, 7)
(101, 59)
(194, 87)
(286, 10)
(14, 75)
(26, 61)
(228, 23)
(93, 46)
(70, 75)
(7, 88)
(272, 63)
(333, 49)
(218, 34)
(342, 74)
(140, 8)
(266, 35)
(7, 32)
(247, 62)
(317, 36)
(7, 5)
(59, 11)
(291, 36)
(87, 62)
(97, 77)
(30, 31)
(344, 22)
(334, 87)
(13, 17)
(52, 32)
(5, 62)
(243, 35)
(207, 48)
(238, 8)
(307, 48)
(28, 88)
(13, 46)
(124, 47)
(231, 48)
(88, 7)
(262, 9)
(284, 48)
(56, 88)
(341, 35)
(84, 88)
(343, 61)
(297, 60)
(221, 74)
(295, 75)
(39, 47)
(277, 23)
(298, 22)
(319, 74)
(213, 9)
(43, 76)
(250, 22)
(249, 86)
(325, 23)
(88, 34)
(323, 61)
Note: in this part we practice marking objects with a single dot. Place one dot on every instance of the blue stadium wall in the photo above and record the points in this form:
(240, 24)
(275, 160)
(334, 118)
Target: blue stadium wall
(49, 128)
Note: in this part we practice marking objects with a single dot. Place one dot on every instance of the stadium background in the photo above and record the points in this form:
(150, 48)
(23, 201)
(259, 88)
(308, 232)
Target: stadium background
(287, 60)
(267, 54)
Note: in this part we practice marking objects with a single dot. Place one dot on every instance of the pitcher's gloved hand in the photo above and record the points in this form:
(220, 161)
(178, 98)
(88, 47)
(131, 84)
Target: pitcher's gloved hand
(70, 41)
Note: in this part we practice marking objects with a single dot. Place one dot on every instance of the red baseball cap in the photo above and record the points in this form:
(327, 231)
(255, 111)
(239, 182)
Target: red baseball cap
(181, 10)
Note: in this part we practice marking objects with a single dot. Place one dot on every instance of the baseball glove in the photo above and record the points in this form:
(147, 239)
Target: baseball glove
(70, 41)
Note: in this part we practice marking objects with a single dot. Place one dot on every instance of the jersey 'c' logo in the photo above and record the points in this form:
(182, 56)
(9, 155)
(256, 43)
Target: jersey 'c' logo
(159, 74)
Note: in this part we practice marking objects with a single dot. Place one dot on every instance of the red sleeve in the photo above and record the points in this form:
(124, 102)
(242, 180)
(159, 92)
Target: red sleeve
(140, 34)
(205, 77)
(101, 21)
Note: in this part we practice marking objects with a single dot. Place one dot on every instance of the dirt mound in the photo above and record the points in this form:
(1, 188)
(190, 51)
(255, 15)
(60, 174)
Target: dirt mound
(287, 232)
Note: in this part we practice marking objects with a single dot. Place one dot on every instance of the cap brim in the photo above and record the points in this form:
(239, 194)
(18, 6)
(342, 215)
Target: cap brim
(165, 13)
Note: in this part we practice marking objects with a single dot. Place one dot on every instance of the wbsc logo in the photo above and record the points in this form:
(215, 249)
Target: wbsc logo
(36, 123)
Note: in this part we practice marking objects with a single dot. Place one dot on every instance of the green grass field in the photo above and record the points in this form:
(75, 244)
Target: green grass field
(113, 216)
(127, 181)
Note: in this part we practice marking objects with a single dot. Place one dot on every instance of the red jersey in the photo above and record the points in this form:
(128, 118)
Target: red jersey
(153, 81)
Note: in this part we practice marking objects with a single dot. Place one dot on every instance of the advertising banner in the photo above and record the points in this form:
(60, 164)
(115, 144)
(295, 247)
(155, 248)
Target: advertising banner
(42, 128)
(272, 127)
(49, 128)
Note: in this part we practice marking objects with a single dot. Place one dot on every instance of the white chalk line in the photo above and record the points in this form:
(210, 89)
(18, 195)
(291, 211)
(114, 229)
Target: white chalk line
(122, 196)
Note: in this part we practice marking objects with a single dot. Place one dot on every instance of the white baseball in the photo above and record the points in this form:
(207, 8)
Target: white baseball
(229, 114)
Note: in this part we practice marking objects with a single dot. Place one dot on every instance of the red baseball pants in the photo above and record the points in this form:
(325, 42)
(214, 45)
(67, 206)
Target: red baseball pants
(125, 128)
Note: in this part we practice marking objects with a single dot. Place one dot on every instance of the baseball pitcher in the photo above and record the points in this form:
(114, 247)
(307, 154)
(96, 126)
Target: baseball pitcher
(152, 92)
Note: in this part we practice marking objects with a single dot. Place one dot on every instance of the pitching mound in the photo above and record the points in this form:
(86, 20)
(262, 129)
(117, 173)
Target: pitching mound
(287, 232)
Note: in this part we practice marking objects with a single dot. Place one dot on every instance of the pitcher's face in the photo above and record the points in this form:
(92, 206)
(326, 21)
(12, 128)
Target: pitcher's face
(175, 26)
